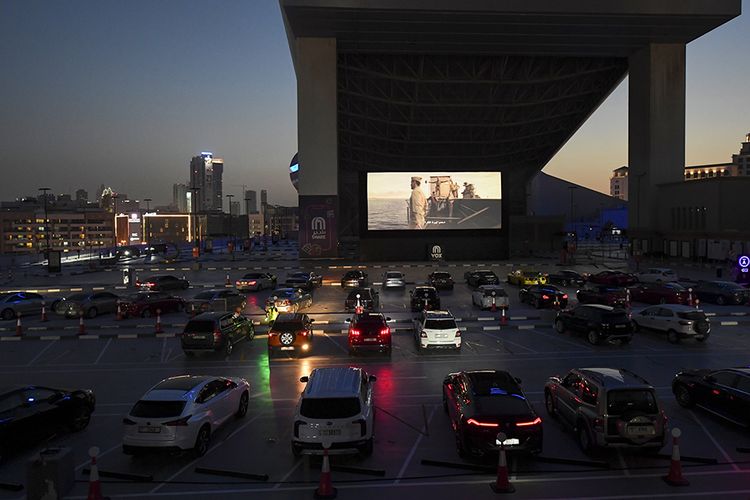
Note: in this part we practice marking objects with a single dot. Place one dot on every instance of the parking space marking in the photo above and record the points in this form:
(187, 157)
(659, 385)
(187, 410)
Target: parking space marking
(334, 342)
(505, 341)
(289, 473)
(39, 354)
(621, 460)
(564, 341)
(99, 357)
(714, 441)
(414, 447)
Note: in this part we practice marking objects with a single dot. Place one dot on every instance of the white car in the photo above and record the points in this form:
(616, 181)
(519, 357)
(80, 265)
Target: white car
(181, 413)
(657, 275)
(677, 320)
(394, 279)
(335, 411)
(484, 296)
(436, 329)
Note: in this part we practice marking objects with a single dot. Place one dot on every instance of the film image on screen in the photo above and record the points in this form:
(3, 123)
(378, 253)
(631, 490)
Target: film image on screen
(433, 200)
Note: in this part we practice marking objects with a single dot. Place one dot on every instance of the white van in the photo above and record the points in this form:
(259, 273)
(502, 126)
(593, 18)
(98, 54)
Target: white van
(335, 410)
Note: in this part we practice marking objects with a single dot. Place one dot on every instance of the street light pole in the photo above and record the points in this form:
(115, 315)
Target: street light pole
(231, 229)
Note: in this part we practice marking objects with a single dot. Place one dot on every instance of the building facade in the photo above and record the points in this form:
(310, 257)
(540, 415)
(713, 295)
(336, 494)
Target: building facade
(251, 202)
(618, 183)
(180, 197)
(738, 167)
(206, 176)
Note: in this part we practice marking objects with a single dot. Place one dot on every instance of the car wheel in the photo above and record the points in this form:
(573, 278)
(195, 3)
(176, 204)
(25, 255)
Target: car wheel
(242, 408)
(228, 347)
(366, 449)
(80, 420)
(720, 300)
(146, 313)
(202, 440)
(584, 439)
(593, 337)
(8, 314)
(91, 313)
(673, 337)
(683, 396)
(549, 404)
(559, 326)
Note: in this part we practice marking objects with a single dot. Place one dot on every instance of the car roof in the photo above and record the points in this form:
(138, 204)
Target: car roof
(600, 307)
(290, 317)
(676, 307)
(438, 314)
(333, 382)
(367, 317)
(210, 315)
(613, 378)
(490, 287)
(424, 287)
(184, 383)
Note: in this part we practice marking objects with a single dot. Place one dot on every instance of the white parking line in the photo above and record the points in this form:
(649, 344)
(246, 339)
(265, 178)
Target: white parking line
(39, 354)
(334, 342)
(714, 441)
(289, 473)
(99, 357)
(414, 447)
(564, 341)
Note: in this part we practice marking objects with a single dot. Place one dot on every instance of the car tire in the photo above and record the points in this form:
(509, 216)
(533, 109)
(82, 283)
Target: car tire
(720, 300)
(683, 396)
(80, 419)
(559, 326)
(92, 312)
(202, 440)
(584, 439)
(593, 337)
(461, 449)
(673, 337)
(242, 408)
(228, 347)
(549, 404)
(8, 314)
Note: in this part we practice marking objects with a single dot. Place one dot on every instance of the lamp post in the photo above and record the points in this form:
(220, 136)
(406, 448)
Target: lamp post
(572, 214)
(114, 212)
(46, 219)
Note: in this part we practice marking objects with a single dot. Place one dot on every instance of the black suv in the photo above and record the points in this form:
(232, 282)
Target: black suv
(367, 298)
(600, 323)
(725, 392)
(354, 279)
(424, 298)
(215, 331)
(481, 277)
(440, 280)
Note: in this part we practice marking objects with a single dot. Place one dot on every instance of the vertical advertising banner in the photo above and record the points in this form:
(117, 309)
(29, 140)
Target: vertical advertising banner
(318, 235)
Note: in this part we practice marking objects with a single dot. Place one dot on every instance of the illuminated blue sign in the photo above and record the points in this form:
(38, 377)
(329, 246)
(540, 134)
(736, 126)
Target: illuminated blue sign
(294, 167)
(744, 262)
(206, 153)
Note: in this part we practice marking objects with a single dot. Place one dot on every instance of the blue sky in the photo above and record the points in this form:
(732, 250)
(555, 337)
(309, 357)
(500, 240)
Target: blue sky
(124, 92)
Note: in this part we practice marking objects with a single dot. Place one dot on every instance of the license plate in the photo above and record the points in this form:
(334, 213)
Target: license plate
(198, 337)
(641, 430)
(441, 336)
(287, 348)
(619, 326)
(147, 429)
(508, 442)
(371, 340)
(330, 432)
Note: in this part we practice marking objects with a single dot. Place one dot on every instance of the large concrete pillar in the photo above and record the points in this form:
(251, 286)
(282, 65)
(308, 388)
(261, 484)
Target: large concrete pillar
(656, 132)
(317, 136)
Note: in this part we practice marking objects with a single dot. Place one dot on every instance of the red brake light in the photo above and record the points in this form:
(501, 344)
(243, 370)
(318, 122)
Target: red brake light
(536, 421)
(545, 297)
(565, 296)
(354, 332)
(472, 421)
(251, 282)
(182, 422)
(285, 302)
(217, 335)
(385, 331)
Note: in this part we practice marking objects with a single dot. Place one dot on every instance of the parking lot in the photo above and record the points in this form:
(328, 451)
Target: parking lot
(414, 445)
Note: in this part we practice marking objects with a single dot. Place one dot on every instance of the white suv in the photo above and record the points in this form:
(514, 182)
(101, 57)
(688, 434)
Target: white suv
(657, 275)
(335, 410)
(436, 329)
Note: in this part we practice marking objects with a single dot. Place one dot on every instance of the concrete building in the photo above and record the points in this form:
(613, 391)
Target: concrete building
(739, 166)
(477, 86)
(180, 197)
(618, 183)
(234, 208)
(82, 196)
(206, 174)
(167, 228)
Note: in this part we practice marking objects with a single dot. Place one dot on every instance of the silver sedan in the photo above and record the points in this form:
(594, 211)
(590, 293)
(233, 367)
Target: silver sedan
(394, 279)
(677, 320)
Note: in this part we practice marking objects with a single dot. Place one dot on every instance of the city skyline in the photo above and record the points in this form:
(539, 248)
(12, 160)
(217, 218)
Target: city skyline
(99, 83)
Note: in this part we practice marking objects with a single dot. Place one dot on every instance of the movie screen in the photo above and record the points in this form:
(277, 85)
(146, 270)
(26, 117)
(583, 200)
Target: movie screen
(433, 200)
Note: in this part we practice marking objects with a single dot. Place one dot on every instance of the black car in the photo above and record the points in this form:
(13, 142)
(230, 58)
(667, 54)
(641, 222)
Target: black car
(300, 282)
(424, 298)
(482, 403)
(163, 282)
(367, 298)
(721, 292)
(600, 323)
(481, 277)
(603, 294)
(215, 331)
(723, 392)
(543, 296)
(440, 280)
(354, 279)
(315, 279)
(30, 414)
(566, 277)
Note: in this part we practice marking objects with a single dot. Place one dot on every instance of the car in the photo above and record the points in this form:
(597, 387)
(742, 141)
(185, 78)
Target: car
(436, 329)
(337, 407)
(524, 277)
(369, 331)
(424, 298)
(215, 332)
(607, 407)
(182, 413)
(541, 296)
(367, 299)
(481, 277)
(90, 305)
(613, 278)
(724, 392)
(13, 304)
(394, 279)
(566, 277)
(222, 300)
(316, 280)
(484, 296)
(600, 323)
(657, 275)
(354, 279)
(660, 293)
(163, 282)
(146, 304)
(721, 292)
(676, 320)
(300, 281)
(482, 403)
(607, 295)
(289, 299)
(441, 280)
(30, 414)
(292, 333)
(253, 282)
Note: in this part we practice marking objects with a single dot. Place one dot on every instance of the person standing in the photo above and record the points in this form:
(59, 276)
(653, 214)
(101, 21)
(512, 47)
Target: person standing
(417, 205)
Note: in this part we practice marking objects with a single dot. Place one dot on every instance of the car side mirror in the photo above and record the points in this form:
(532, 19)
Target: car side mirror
(304, 379)
(372, 378)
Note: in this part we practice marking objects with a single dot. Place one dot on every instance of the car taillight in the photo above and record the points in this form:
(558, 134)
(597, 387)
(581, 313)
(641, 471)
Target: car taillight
(545, 297)
(150, 284)
(536, 421)
(685, 323)
(217, 335)
(284, 302)
(362, 426)
(354, 332)
(385, 332)
(472, 421)
(251, 283)
(565, 296)
(297, 424)
(127, 421)
(458, 333)
(180, 422)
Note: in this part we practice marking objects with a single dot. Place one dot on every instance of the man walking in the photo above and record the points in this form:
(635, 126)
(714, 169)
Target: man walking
(417, 205)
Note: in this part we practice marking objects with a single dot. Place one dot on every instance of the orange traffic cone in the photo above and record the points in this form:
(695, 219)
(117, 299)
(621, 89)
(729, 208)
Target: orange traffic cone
(502, 484)
(44, 312)
(95, 487)
(674, 477)
(158, 322)
(227, 282)
(19, 328)
(118, 316)
(81, 327)
(494, 305)
(325, 488)
(503, 317)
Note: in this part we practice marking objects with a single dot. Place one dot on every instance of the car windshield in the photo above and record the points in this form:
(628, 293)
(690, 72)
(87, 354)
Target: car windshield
(251, 276)
(393, 275)
(352, 274)
(424, 293)
(675, 286)
(288, 326)
(329, 407)
(612, 317)
(157, 409)
(205, 296)
(199, 326)
(625, 400)
(440, 323)
(692, 315)
(441, 276)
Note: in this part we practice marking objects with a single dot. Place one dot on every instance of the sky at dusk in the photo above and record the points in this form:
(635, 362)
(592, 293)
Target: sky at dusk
(123, 93)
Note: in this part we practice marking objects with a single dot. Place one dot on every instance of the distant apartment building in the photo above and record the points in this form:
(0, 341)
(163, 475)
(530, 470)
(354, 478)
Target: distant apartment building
(82, 196)
(738, 167)
(206, 177)
(618, 183)
(180, 197)
(280, 220)
(168, 228)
